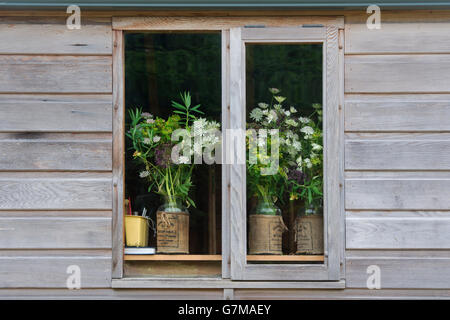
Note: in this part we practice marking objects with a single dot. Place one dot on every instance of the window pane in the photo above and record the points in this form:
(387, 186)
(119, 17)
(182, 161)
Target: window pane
(159, 67)
(284, 171)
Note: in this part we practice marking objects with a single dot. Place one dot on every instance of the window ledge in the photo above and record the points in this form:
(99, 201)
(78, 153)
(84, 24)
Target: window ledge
(211, 283)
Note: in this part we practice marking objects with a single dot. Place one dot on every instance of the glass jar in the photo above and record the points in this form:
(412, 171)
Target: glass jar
(172, 227)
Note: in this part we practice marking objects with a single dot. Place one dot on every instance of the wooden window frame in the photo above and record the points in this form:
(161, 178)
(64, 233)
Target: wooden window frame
(232, 259)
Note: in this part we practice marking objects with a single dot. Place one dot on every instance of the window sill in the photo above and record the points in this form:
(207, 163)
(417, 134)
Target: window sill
(211, 283)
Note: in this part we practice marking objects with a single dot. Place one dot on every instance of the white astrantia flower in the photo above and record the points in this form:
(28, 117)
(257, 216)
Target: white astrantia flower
(272, 116)
(308, 163)
(144, 174)
(316, 147)
(313, 156)
(156, 139)
(147, 141)
(287, 113)
(256, 114)
(299, 160)
(291, 122)
(274, 90)
(307, 130)
(277, 107)
(263, 105)
(304, 120)
(297, 145)
(146, 115)
(265, 112)
(290, 134)
(150, 121)
(293, 110)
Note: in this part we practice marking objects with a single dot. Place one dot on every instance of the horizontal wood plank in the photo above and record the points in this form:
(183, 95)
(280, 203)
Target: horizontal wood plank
(55, 74)
(55, 233)
(381, 113)
(397, 73)
(55, 193)
(218, 23)
(39, 270)
(398, 34)
(42, 154)
(397, 194)
(52, 36)
(397, 154)
(404, 230)
(61, 113)
(398, 270)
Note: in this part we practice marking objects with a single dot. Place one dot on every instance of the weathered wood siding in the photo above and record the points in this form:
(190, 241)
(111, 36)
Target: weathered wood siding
(397, 141)
(55, 152)
(56, 146)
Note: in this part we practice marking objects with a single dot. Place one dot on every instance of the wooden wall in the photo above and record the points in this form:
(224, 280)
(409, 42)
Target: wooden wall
(55, 152)
(55, 164)
(397, 150)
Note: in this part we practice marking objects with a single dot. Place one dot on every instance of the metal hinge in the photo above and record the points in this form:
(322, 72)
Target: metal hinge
(312, 26)
(255, 26)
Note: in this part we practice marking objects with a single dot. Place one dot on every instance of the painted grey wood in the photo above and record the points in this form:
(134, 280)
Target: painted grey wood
(399, 269)
(237, 170)
(118, 195)
(380, 113)
(401, 230)
(407, 154)
(221, 283)
(333, 138)
(397, 73)
(55, 193)
(61, 113)
(54, 232)
(51, 36)
(413, 33)
(27, 153)
(41, 270)
(226, 232)
(228, 294)
(397, 194)
(58, 74)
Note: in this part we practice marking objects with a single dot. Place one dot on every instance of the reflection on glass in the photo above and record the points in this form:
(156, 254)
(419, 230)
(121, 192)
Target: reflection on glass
(173, 83)
(285, 149)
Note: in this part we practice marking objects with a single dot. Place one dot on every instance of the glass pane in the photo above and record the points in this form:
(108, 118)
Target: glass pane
(284, 164)
(182, 200)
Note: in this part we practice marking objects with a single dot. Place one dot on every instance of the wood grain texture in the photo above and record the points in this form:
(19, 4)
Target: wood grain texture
(397, 73)
(55, 193)
(381, 113)
(40, 269)
(54, 233)
(398, 34)
(51, 36)
(55, 113)
(407, 154)
(402, 230)
(399, 269)
(397, 194)
(118, 154)
(44, 154)
(218, 23)
(59, 74)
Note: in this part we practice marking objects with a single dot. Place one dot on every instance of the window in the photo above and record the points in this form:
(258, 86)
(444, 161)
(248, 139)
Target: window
(229, 69)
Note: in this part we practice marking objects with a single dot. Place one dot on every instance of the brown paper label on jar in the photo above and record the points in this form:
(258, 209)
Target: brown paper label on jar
(168, 233)
(304, 236)
(275, 235)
